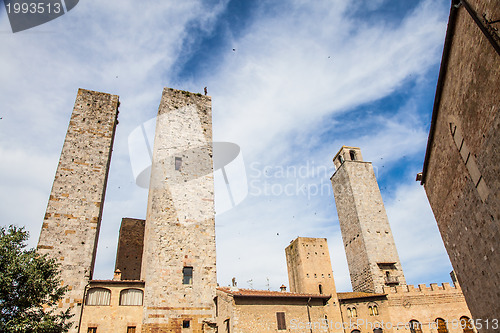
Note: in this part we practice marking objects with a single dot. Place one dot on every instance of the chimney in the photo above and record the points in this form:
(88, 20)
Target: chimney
(283, 287)
(118, 275)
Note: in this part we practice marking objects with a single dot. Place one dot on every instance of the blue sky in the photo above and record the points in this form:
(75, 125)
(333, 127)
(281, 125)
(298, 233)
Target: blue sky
(304, 79)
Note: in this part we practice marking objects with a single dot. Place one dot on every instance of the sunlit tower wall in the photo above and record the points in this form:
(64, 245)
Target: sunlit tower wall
(178, 264)
(71, 225)
(370, 249)
(310, 272)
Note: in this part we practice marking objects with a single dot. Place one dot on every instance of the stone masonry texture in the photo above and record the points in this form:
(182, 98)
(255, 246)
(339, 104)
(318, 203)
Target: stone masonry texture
(180, 223)
(130, 247)
(309, 267)
(368, 241)
(463, 173)
(73, 216)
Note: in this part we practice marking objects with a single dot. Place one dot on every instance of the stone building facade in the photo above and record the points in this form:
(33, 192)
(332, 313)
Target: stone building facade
(461, 173)
(370, 249)
(73, 216)
(165, 272)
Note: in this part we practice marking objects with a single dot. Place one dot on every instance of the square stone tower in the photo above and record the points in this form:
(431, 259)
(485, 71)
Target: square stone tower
(73, 216)
(310, 271)
(178, 264)
(370, 249)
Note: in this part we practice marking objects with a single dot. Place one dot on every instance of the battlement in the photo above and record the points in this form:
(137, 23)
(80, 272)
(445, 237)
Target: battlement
(422, 288)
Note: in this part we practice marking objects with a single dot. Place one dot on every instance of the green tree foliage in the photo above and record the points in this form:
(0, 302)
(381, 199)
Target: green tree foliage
(30, 288)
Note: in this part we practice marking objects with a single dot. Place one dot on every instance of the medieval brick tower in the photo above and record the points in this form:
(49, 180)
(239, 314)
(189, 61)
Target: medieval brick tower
(370, 249)
(178, 264)
(72, 220)
(310, 271)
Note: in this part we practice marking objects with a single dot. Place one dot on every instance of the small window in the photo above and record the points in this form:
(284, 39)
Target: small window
(370, 310)
(354, 312)
(131, 297)
(375, 310)
(98, 296)
(227, 325)
(130, 329)
(280, 317)
(341, 159)
(378, 330)
(187, 273)
(415, 326)
(355, 331)
(466, 324)
(185, 324)
(441, 326)
(92, 330)
(178, 163)
(320, 289)
(352, 154)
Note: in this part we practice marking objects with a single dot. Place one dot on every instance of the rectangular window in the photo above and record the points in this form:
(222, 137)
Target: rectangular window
(280, 317)
(185, 324)
(178, 163)
(92, 330)
(130, 329)
(187, 273)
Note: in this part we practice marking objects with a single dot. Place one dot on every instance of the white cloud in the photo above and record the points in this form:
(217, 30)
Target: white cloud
(292, 70)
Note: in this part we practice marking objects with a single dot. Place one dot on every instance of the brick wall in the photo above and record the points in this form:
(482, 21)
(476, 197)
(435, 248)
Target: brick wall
(463, 179)
(130, 247)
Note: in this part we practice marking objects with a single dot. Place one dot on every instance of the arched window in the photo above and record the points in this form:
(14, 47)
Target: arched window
(370, 310)
(354, 312)
(378, 330)
(441, 325)
(131, 297)
(466, 324)
(352, 154)
(349, 313)
(355, 331)
(98, 296)
(415, 326)
(375, 310)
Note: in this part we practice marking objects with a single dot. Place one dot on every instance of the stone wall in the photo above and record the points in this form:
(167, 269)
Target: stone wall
(180, 224)
(249, 315)
(426, 305)
(366, 233)
(113, 317)
(130, 247)
(462, 178)
(73, 216)
(309, 267)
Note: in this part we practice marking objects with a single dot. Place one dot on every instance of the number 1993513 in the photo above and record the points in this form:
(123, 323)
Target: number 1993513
(33, 8)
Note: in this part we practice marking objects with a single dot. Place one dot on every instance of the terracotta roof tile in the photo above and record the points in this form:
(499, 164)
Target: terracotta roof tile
(357, 294)
(267, 293)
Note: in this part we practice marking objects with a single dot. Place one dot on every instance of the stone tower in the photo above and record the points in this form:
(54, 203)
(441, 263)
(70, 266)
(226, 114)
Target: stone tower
(370, 249)
(72, 220)
(310, 271)
(178, 264)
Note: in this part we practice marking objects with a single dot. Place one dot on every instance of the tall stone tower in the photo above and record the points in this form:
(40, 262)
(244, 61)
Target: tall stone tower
(310, 271)
(72, 220)
(178, 264)
(370, 249)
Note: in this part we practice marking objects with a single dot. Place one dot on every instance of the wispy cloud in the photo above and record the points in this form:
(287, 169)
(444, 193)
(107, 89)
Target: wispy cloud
(295, 88)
